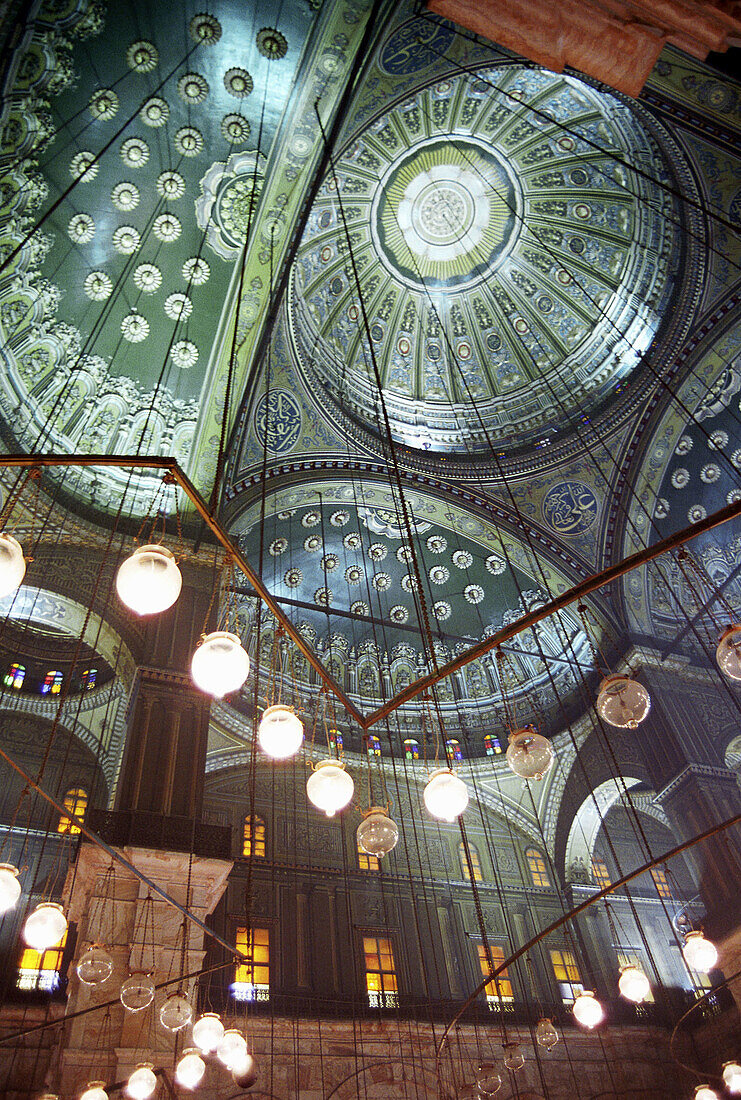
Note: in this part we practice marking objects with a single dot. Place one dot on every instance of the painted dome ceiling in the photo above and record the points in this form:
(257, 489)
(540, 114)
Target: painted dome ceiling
(513, 271)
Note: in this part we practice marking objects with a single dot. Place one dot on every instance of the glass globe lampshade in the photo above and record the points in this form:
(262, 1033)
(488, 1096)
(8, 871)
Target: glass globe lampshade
(137, 992)
(377, 833)
(142, 1082)
(329, 787)
(94, 965)
(244, 1071)
(190, 1069)
(208, 1031)
(699, 953)
(623, 702)
(220, 665)
(149, 581)
(446, 795)
(280, 732)
(10, 887)
(732, 1077)
(488, 1079)
(45, 927)
(728, 653)
(545, 1033)
(232, 1049)
(513, 1059)
(95, 1091)
(12, 564)
(529, 754)
(176, 1012)
(587, 1010)
(704, 1092)
(633, 984)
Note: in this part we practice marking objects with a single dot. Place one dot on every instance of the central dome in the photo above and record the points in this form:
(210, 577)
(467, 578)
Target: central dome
(513, 268)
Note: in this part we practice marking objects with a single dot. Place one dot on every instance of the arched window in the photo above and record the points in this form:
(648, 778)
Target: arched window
(374, 746)
(252, 975)
(566, 973)
(335, 738)
(367, 862)
(475, 863)
(454, 749)
(52, 684)
(253, 837)
(89, 677)
(663, 889)
(492, 745)
(600, 874)
(15, 676)
(41, 969)
(499, 990)
(75, 802)
(538, 869)
(411, 750)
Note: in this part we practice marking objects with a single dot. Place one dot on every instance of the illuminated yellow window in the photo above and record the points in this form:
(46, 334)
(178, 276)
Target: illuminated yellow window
(253, 841)
(367, 862)
(663, 888)
(626, 957)
(380, 972)
(499, 990)
(538, 869)
(252, 977)
(75, 802)
(567, 974)
(475, 863)
(40, 969)
(600, 874)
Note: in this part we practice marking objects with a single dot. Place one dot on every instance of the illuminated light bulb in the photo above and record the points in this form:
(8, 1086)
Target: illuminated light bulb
(732, 1077)
(633, 984)
(10, 887)
(137, 992)
(220, 665)
(529, 754)
(623, 702)
(232, 1049)
(545, 1033)
(377, 833)
(12, 564)
(699, 953)
(244, 1071)
(208, 1031)
(95, 965)
(190, 1069)
(728, 653)
(142, 1082)
(176, 1012)
(587, 1010)
(149, 581)
(329, 787)
(704, 1092)
(513, 1059)
(95, 1091)
(280, 732)
(45, 927)
(446, 795)
(488, 1079)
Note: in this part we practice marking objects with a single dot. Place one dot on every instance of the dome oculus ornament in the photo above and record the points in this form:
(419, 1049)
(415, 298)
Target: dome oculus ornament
(446, 795)
(377, 833)
(623, 702)
(12, 564)
(280, 732)
(45, 927)
(529, 754)
(329, 787)
(10, 887)
(149, 581)
(220, 665)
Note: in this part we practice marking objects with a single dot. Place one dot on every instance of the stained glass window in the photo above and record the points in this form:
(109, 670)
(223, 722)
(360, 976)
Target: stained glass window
(492, 745)
(253, 837)
(52, 684)
(14, 677)
(411, 749)
(75, 801)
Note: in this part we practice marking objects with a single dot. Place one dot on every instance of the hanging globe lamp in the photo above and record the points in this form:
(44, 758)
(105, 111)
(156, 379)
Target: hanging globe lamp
(488, 1079)
(529, 754)
(329, 786)
(232, 1048)
(545, 1033)
(190, 1069)
(12, 564)
(587, 1010)
(176, 1012)
(513, 1059)
(280, 732)
(208, 1031)
(10, 887)
(94, 1091)
(704, 1092)
(377, 833)
(220, 665)
(244, 1071)
(446, 795)
(728, 653)
(137, 992)
(45, 927)
(633, 984)
(622, 702)
(732, 1077)
(142, 1082)
(699, 953)
(149, 581)
(94, 965)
